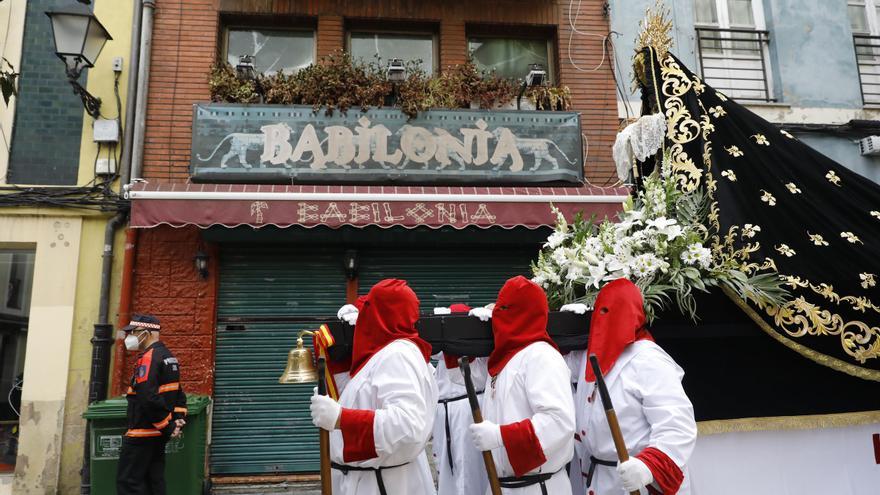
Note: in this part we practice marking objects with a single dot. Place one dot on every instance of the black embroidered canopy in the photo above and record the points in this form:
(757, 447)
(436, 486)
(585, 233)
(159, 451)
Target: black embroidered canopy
(778, 205)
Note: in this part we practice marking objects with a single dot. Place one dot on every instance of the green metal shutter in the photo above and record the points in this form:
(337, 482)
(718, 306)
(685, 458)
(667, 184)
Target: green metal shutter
(260, 426)
(443, 276)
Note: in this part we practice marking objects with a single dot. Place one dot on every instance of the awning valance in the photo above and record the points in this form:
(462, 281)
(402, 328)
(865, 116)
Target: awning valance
(232, 205)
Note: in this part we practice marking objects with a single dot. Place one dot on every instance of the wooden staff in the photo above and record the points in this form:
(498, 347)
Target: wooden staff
(465, 366)
(324, 437)
(616, 434)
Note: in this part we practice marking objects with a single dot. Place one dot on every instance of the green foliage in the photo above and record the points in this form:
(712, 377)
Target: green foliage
(8, 78)
(338, 82)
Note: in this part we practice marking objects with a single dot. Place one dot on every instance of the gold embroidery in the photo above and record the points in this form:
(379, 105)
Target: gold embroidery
(681, 126)
(875, 214)
(858, 303)
(776, 423)
(852, 238)
(833, 178)
(734, 151)
(761, 139)
(786, 134)
(729, 174)
(785, 250)
(720, 96)
(817, 239)
(768, 198)
(750, 230)
(793, 188)
(868, 280)
(717, 111)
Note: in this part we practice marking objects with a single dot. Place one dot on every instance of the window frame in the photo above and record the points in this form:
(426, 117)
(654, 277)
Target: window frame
(723, 12)
(550, 44)
(369, 29)
(265, 23)
(872, 20)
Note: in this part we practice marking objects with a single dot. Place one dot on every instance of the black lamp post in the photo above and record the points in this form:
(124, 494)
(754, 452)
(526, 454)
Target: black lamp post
(246, 71)
(536, 77)
(350, 264)
(79, 38)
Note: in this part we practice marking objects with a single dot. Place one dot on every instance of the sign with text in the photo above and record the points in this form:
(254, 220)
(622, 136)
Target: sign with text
(290, 144)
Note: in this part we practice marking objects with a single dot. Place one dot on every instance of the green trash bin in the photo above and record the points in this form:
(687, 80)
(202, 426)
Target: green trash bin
(184, 456)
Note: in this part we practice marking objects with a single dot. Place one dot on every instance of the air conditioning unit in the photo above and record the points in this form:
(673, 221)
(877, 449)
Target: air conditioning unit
(870, 146)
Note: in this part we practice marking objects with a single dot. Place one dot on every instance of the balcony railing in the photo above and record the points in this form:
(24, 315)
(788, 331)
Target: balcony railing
(868, 58)
(734, 61)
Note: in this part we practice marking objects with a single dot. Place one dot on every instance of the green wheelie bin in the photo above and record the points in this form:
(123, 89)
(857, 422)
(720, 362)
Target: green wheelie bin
(185, 464)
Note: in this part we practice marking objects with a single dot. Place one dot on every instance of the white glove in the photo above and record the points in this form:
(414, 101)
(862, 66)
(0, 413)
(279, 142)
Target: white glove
(442, 311)
(634, 474)
(325, 411)
(348, 314)
(486, 435)
(575, 308)
(484, 314)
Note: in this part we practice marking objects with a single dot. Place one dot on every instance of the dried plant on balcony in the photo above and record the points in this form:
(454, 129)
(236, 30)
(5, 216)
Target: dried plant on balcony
(339, 83)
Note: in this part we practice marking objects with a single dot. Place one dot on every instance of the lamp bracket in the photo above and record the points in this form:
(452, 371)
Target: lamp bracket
(91, 103)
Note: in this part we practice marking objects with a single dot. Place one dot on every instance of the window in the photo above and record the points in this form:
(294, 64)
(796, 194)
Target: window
(732, 45)
(864, 19)
(371, 46)
(273, 50)
(510, 57)
(16, 277)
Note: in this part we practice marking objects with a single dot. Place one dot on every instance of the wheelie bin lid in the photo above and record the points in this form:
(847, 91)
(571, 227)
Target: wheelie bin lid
(116, 407)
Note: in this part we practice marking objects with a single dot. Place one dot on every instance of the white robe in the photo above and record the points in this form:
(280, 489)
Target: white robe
(468, 474)
(653, 411)
(575, 361)
(399, 386)
(534, 385)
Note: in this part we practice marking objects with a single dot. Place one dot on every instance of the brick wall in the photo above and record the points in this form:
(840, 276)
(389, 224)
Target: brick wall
(168, 286)
(47, 109)
(186, 40)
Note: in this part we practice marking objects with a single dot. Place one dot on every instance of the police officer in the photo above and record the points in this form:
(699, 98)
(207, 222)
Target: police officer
(156, 410)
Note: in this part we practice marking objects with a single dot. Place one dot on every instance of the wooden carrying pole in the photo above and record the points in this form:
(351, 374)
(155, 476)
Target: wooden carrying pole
(465, 366)
(616, 434)
(324, 437)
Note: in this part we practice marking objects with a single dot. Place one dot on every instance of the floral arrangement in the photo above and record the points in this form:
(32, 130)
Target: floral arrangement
(660, 242)
(339, 82)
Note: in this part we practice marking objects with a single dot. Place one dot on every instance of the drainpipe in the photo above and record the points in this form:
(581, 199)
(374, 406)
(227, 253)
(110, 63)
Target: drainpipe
(125, 296)
(101, 340)
(131, 94)
(146, 45)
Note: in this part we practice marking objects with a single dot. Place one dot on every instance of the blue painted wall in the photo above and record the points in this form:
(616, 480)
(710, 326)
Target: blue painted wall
(811, 48)
(49, 117)
(812, 54)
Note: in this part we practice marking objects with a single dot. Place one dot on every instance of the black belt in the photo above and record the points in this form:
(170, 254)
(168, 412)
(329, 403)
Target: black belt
(448, 437)
(345, 468)
(593, 462)
(528, 480)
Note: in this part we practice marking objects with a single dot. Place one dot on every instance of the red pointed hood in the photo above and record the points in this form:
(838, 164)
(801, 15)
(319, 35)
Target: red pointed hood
(618, 321)
(389, 312)
(518, 320)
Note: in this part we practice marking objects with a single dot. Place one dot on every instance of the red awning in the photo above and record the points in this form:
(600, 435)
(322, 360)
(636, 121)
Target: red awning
(232, 205)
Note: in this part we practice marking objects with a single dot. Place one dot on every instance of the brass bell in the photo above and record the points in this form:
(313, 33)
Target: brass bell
(300, 364)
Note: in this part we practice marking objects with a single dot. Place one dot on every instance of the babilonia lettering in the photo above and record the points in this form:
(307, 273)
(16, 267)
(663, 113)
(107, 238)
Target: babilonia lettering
(335, 212)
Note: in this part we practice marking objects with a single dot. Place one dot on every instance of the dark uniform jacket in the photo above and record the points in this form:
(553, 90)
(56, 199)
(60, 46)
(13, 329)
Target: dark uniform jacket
(155, 397)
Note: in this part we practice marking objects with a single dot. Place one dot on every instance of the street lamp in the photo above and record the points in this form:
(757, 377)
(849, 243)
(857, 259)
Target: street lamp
(247, 71)
(79, 38)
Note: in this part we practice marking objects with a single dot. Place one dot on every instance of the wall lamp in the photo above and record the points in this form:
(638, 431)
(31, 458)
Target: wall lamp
(536, 77)
(350, 263)
(201, 260)
(79, 38)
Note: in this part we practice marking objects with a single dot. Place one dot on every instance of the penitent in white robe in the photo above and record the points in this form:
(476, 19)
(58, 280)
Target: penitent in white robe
(575, 362)
(651, 406)
(534, 385)
(467, 474)
(399, 386)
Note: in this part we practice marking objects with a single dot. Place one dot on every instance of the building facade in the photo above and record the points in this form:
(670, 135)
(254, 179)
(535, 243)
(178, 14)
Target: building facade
(807, 66)
(52, 244)
(290, 235)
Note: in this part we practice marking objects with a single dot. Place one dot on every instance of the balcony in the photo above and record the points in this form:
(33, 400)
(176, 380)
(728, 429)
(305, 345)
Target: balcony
(734, 61)
(868, 58)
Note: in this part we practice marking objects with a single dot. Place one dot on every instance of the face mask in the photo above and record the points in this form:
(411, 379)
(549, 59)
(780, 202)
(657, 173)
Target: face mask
(132, 342)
